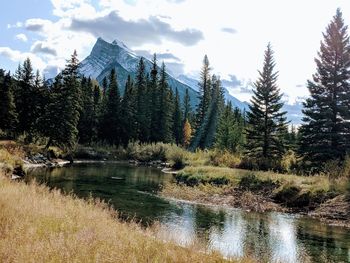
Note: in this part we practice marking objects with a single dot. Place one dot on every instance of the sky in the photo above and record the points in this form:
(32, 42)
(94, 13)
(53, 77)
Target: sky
(233, 33)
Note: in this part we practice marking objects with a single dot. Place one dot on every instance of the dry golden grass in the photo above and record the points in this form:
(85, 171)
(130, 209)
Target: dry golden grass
(39, 225)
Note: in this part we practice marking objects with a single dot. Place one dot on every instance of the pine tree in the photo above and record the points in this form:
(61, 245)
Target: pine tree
(24, 99)
(97, 109)
(65, 105)
(230, 130)
(128, 113)
(8, 114)
(204, 93)
(165, 107)
(205, 133)
(266, 120)
(111, 119)
(186, 133)
(325, 134)
(187, 107)
(177, 120)
(86, 121)
(141, 102)
(154, 101)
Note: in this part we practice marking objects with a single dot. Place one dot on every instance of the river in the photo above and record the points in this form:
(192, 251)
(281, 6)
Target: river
(268, 237)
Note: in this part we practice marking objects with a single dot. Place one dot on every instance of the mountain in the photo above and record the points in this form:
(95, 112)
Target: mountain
(193, 83)
(106, 56)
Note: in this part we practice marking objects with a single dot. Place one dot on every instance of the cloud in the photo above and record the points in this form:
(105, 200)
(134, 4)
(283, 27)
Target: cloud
(18, 56)
(175, 68)
(135, 33)
(37, 24)
(160, 56)
(22, 37)
(17, 25)
(229, 30)
(176, 1)
(41, 47)
(232, 82)
(51, 71)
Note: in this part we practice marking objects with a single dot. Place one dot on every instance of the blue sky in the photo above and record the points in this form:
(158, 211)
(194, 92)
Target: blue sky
(233, 34)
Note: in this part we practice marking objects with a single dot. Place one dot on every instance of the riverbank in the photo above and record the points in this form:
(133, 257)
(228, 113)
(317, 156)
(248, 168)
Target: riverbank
(317, 197)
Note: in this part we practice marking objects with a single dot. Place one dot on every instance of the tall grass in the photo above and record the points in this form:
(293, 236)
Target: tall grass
(39, 225)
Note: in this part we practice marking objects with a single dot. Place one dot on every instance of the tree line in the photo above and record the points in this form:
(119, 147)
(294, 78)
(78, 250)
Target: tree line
(76, 109)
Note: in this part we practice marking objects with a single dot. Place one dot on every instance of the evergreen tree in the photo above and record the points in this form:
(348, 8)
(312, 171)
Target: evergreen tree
(165, 107)
(8, 114)
(64, 107)
(325, 134)
(24, 99)
(266, 120)
(87, 115)
(111, 119)
(97, 110)
(141, 102)
(187, 106)
(230, 130)
(154, 101)
(177, 120)
(204, 93)
(186, 133)
(205, 134)
(128, 113)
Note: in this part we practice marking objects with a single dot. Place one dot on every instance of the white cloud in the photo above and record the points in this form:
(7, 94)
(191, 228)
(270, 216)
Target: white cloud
(18, 56)
(17, 25)
(22, 37)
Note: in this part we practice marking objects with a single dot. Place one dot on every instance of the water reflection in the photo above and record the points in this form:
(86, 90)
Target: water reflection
(269, 237)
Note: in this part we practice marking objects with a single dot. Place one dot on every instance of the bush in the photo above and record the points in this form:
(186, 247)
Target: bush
(288, 194)
(224, 158)
(250, 182)
(197, 179)
(288, 162)
(176, 156)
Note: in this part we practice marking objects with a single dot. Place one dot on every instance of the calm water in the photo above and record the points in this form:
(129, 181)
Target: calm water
(269, 237)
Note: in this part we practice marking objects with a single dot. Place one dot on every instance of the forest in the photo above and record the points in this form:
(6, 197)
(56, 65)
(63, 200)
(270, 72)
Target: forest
(73, 109)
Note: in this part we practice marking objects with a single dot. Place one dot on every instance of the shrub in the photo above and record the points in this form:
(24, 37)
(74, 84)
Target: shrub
(287, 194)
(176, 156)
(224, 158)
(250, 182)
(197, 179)
(288, 162)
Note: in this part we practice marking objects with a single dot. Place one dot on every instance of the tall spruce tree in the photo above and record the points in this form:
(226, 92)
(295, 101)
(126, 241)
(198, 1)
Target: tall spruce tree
(177, 120)
(205, 133)
(187, 107)
(204, 93)
(266, 120)
(65, 105)
(165, 107)
(128, 113)
(154, 101)
(24, 98)
(230, 134)
(111, 118)
(142, 120)
(8, 114)
(325, 133)
(86, 120)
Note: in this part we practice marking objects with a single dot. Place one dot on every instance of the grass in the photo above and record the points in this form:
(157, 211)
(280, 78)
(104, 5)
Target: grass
(39, 225)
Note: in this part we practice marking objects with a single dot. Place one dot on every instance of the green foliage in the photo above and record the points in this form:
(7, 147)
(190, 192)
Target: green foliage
(250, 182)
(224, 158)
(287, 194)
(177, 120)
(266, 121)
(230, 134)
(8, 113)
(197, 179)
(325, 132)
